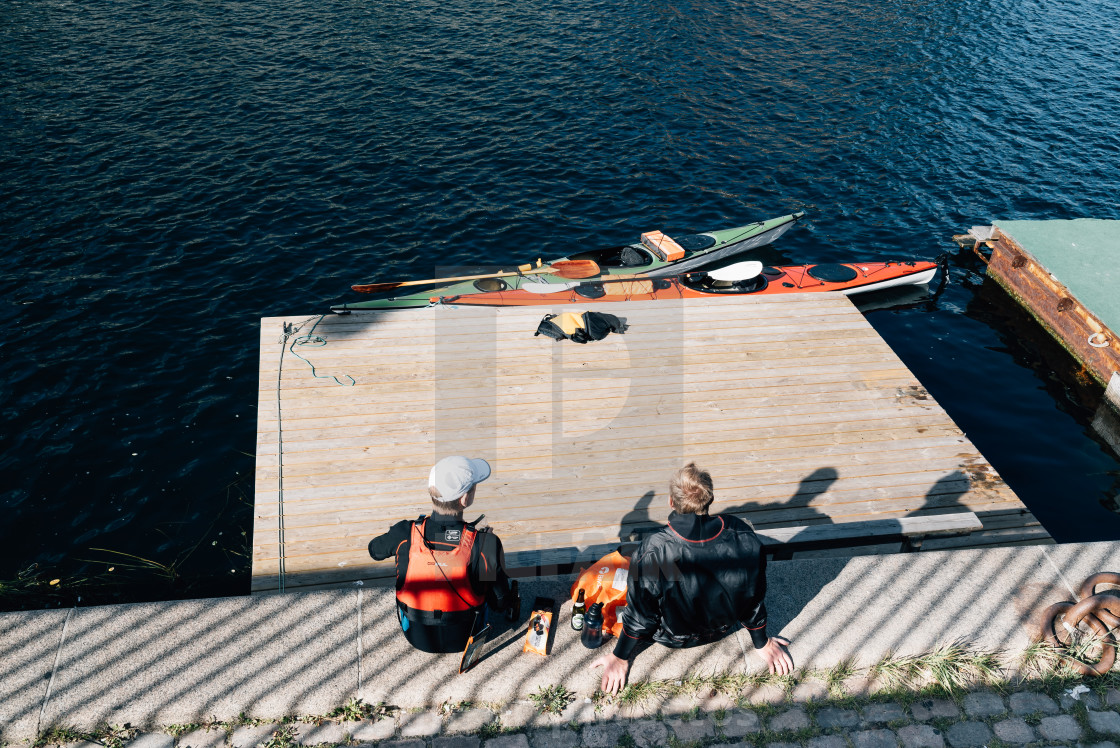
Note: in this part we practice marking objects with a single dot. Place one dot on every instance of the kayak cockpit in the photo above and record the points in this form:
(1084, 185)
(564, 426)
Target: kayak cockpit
(705, 283)
(490, 285)
(639, 256)
(627, 256)
(740, 278)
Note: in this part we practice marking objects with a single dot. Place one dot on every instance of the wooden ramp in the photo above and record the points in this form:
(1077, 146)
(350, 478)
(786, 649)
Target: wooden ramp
(798, 408)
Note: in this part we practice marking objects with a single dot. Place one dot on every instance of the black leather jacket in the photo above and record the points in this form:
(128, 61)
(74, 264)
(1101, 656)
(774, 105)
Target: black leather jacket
(693, 582)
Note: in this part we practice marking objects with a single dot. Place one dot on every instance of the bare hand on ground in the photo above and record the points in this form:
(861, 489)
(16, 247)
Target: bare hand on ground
(775, 655)
(614, 672)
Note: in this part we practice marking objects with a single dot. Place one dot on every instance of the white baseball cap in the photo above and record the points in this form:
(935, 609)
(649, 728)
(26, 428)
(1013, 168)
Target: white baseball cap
(453, 477)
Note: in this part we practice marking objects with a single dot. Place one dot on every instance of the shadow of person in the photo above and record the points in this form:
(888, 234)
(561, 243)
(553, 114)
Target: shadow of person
(943, 497)
(637, 522)
(797, 510)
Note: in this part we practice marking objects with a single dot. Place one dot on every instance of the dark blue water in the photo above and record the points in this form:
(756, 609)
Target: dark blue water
(171, 172)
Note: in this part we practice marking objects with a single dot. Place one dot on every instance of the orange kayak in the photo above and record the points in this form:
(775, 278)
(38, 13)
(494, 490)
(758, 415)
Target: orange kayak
(847, 278)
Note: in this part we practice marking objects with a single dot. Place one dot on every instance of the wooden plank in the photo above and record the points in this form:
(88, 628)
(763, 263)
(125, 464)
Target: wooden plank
(388, 434)
(732, 469)
(308, 459)
(581, 401)
(734, 483)
(685, 415)
(369, 370)
(938, 524)
(708, 441)
(641, 330)
(413, 377)
(914, 491)
(885, 493)
(516, 530)
(666, 413)
(641, 334)
(307, 444)
(521, 504)
(310, 540)
(637, 457)
(488, 324)
(484, 428)
(716, 387)
(755, 329)
(521, 386)
(474, 348)
(808, 303)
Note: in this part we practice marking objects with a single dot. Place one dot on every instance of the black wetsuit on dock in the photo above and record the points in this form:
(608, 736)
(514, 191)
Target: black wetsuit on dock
(486, 571)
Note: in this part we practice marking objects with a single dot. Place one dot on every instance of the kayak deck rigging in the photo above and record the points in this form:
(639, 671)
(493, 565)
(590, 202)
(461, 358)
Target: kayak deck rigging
(847, 278)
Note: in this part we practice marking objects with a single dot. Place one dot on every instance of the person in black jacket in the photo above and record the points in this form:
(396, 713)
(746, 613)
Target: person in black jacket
(693, 582)
(448, 571)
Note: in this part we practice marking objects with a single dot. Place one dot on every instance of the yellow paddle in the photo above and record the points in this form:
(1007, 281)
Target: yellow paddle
(562, 268)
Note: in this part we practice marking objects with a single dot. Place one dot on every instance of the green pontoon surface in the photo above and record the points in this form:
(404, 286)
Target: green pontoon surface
(1083, 254)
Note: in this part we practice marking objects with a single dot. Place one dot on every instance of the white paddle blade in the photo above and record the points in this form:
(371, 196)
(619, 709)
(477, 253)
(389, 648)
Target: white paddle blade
(740, 271)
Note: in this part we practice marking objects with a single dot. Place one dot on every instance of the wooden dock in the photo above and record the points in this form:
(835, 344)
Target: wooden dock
(799, 409)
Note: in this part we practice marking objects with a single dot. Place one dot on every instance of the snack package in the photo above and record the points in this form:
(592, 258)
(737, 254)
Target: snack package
(605, 582)
(540, 626)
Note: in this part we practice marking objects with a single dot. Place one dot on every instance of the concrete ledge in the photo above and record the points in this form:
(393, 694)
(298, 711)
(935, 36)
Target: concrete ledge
(306, 653)
(29, 645)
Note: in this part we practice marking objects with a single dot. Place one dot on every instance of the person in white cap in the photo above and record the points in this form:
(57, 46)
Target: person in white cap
(448, 570)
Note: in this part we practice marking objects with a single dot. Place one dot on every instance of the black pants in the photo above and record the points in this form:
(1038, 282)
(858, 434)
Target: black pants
(448, 637)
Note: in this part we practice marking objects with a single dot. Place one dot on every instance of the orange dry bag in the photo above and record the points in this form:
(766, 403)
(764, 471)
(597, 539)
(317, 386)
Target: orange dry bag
(605, 582)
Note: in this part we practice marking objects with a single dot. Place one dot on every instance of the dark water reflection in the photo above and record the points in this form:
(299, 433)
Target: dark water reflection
(172, 173)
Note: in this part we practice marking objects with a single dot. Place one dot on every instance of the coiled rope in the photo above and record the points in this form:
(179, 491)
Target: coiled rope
(290, 331)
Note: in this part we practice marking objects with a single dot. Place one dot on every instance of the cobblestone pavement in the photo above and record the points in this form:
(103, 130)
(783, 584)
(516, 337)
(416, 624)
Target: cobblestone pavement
(978, 719)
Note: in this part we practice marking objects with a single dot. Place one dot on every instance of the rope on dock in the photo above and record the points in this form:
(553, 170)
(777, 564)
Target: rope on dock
(311, 339)
(280, 453)
(290, 330)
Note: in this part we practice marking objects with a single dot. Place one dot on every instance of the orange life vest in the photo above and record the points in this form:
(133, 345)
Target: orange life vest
(439, 581)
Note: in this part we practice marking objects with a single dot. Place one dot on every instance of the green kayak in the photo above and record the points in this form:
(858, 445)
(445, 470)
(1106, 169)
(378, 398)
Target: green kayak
(698, 250)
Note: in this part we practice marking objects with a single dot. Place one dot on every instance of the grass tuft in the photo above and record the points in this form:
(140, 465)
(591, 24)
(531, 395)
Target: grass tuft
(835, 676)
(178, 730)
(949, 669)
(114, 736)
(675, 742)
(490, 730)
(283, 737)
(356, 710)
(552, 699)
(59, 736)
(642, 691)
